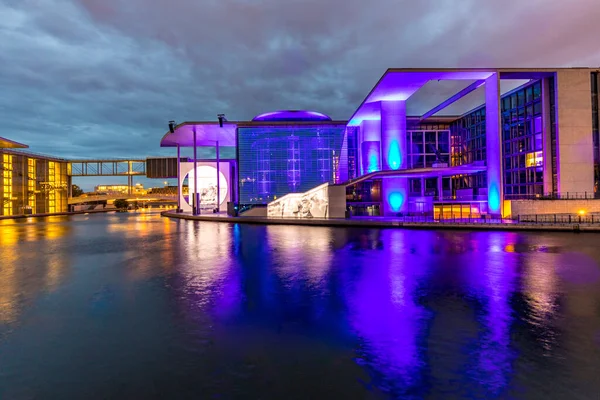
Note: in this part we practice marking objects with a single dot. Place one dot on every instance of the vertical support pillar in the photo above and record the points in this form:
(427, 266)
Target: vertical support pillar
(494, 146)
(394, 195)
(370, 146)
(195, 197)
(393, 135)
(440, 187)
(546, 137)
(422, 187)
(359, 140)
(218, 180)
(179, 183)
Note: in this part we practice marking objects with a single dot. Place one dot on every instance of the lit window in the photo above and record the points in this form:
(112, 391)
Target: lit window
(534, 159)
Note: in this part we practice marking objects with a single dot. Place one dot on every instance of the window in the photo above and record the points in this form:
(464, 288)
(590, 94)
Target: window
(425, 148)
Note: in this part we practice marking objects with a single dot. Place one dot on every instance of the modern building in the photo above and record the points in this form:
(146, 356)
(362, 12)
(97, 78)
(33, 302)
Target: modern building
(442, 142)
(31, 183)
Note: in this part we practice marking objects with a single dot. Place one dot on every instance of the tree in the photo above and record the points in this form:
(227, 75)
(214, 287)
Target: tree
(76, 191)
(121, 203)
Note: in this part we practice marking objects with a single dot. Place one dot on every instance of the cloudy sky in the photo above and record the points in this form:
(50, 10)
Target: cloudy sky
(101, 78)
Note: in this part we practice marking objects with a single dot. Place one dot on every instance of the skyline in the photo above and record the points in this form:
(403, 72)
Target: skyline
(102, 80)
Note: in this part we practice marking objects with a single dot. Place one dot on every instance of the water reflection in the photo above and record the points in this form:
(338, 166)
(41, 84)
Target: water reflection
(383, 310)
(265, 311)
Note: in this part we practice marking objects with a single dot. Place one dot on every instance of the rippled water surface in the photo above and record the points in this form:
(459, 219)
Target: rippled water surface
(138, 306)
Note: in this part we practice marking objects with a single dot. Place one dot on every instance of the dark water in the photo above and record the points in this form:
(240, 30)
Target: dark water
(140, 307)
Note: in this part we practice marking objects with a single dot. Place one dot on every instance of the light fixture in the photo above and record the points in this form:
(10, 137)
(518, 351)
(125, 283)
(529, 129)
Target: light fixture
(222, 119)
(581, 212)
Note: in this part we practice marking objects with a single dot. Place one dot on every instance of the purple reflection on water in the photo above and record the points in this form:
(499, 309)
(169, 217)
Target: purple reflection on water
(384, 314)
(492, 274)
(578, 268)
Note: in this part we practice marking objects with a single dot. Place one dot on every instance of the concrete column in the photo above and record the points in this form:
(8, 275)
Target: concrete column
(179, 178)
(494, 146)
(546, 137)
(440, 187)
(371, 146)
(195, 197)
(394, 195)
(422, 187)
(393, 135)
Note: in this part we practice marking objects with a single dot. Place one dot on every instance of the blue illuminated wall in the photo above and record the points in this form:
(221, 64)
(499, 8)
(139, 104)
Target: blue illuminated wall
(276, 160)
(493, 146)
(395, 196)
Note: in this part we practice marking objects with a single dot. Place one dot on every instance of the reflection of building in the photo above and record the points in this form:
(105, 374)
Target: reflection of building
(120, 189)
(31, 183)
(447, 142)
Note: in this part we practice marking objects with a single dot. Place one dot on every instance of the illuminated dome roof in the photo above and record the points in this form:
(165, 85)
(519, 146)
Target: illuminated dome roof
(292, 115)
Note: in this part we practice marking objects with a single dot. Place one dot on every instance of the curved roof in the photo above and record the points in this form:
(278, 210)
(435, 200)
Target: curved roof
(207, 134)
(292, 115)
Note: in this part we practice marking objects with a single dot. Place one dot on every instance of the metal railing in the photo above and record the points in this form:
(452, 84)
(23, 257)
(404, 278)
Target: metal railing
(555, 196)
(559, 219)
(454, 220)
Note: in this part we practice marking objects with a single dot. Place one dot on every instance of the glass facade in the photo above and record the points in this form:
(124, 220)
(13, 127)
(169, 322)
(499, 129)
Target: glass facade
(428, 147)
(595, 130)
(522, 136)
(352, 138)
(276, 160)
(553, 142)
(31, 184)
(468, 147)
(522, 143)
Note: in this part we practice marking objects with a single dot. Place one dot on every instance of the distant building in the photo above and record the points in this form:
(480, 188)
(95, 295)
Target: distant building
(120, 189)
(31, 183)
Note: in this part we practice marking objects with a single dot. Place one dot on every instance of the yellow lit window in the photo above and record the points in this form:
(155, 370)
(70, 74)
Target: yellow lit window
(7, 181)
(534, 159)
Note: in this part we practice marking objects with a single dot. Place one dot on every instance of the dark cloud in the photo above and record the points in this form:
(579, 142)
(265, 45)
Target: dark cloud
(101, 78)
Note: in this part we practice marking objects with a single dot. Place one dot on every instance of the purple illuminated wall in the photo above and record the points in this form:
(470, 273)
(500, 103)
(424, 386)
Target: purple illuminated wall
(370, 157)
(493, 146)
(371, 132)
(393, 135)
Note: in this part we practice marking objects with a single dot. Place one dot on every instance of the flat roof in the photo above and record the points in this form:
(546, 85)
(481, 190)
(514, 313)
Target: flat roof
(208, 133)
(10, 144)
(406, 83)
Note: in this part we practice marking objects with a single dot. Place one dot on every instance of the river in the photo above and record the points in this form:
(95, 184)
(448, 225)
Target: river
(134, 305)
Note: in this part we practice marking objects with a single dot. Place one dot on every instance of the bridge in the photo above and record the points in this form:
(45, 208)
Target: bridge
(108, 167)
